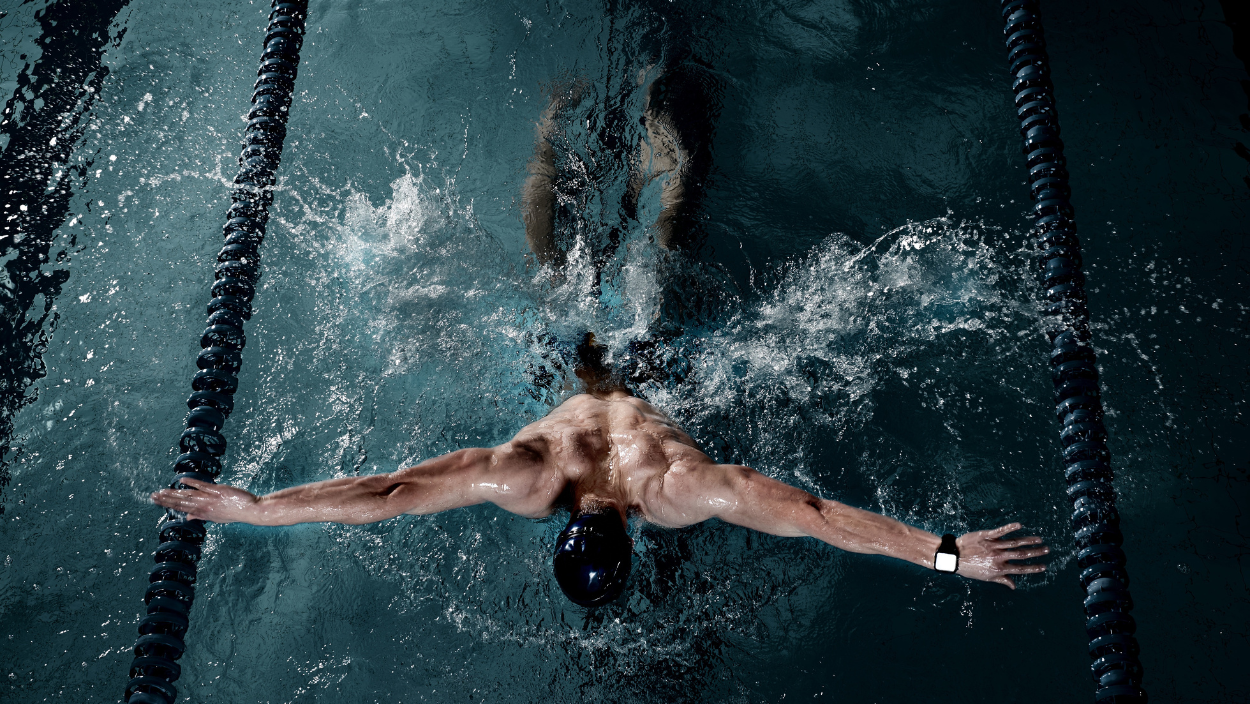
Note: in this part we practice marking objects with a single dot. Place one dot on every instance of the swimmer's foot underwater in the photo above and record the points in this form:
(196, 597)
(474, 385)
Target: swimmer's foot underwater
(607, 455)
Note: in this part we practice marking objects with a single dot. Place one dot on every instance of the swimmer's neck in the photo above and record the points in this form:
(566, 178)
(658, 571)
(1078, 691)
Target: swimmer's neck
(608, 394)
(592, 502)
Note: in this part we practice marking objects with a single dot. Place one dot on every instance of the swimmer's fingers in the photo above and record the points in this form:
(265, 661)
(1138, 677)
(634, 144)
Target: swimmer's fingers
(196, 487)
(220, 503)
(1010, 568)
(1017, 542)
(223, 492)
(197, 505)
(184, 501)
(163, 497)
(1023, 569)
(1026, 553)
(999, 532)
(171, 498)
(206, 487)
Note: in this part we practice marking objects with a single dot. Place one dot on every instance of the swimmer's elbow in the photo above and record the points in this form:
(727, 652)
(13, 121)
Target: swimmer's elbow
(814, 508)
(387, 496)
(810, 515)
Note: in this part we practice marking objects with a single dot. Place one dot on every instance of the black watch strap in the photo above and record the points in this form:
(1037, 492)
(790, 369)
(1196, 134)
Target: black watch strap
(946, 559)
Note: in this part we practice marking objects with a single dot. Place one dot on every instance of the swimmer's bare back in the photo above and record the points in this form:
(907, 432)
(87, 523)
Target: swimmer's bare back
(607, 450)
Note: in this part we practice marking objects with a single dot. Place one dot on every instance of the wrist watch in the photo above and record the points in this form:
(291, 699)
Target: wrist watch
(946, 559)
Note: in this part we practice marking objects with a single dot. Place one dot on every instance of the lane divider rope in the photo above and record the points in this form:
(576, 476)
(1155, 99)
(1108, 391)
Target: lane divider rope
(171, 589)
(1113, 647)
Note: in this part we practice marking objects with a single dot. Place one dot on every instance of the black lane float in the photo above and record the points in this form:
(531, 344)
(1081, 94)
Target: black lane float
(1095, 521)
(172, 580)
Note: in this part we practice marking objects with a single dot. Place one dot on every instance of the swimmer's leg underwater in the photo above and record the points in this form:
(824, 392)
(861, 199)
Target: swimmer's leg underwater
(538, 194)
(680, 107)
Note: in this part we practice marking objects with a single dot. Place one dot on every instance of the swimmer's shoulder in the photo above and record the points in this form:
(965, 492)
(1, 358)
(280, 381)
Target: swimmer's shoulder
(651, 414)
(578, 404)
(531, 447)
(574, 421)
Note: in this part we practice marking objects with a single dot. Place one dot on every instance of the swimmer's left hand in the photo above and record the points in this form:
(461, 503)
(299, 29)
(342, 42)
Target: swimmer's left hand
(219, 503)
(988, 556)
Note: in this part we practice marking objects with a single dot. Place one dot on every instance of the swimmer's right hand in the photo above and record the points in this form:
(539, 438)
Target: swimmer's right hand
(219, 503)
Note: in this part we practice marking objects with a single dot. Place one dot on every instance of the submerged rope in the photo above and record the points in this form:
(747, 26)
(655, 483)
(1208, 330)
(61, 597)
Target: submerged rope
(1095, 521)
(172, 588)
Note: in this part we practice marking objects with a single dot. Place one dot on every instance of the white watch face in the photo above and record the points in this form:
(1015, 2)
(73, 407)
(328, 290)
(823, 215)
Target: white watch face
(945, 562)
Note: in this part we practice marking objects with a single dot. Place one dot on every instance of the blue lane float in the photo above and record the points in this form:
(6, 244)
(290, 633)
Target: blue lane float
(1078, 403)
(171, 588)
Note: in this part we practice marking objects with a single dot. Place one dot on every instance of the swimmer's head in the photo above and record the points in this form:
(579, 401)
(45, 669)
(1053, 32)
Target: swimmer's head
(592, 558)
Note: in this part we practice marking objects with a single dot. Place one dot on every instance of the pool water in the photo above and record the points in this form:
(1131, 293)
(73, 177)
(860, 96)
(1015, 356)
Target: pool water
(859, 318)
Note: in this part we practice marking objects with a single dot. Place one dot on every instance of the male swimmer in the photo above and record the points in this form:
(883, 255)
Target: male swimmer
(606, 454)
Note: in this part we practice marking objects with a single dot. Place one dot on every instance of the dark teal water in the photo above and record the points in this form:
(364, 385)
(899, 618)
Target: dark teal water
(861, 321)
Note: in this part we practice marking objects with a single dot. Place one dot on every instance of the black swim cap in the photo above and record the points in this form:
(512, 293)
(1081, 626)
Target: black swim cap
(592, 558)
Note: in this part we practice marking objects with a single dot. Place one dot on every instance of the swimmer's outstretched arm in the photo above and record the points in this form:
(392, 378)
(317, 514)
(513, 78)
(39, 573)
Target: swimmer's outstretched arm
(742, 496)
(512, 476)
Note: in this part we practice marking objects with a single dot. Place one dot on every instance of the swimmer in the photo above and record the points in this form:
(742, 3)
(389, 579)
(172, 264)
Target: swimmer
(606, 454)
